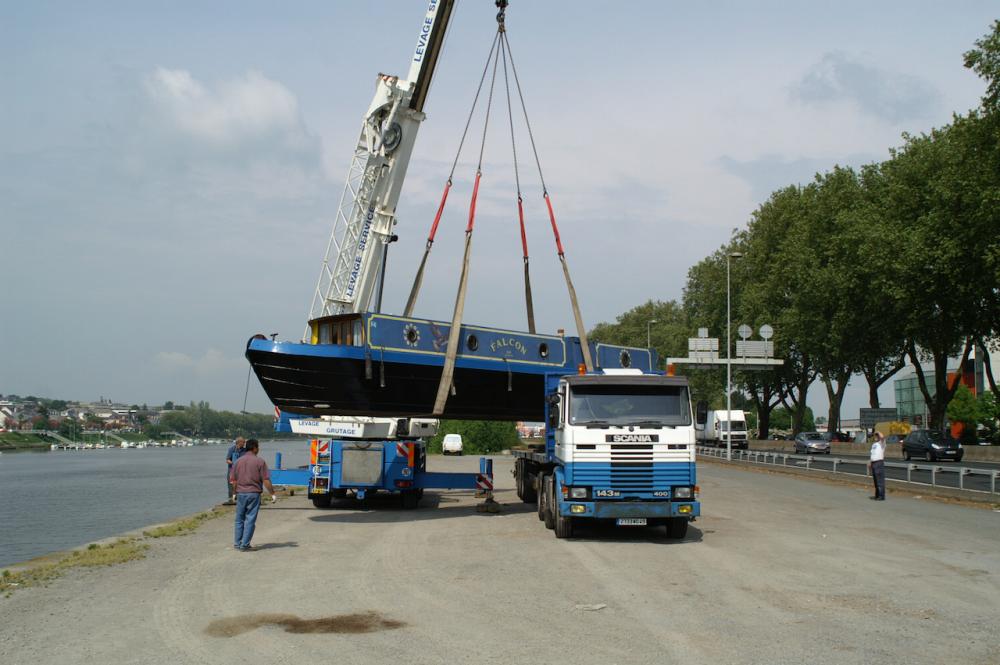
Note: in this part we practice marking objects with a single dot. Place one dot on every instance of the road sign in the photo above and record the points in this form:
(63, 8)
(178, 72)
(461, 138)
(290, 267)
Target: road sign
(869, 417)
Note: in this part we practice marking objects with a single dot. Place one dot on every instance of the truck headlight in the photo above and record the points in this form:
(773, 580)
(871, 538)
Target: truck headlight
(682, 492)
(578, 492)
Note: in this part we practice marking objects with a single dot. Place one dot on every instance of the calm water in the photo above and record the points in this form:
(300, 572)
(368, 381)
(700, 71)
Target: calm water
(57, 500)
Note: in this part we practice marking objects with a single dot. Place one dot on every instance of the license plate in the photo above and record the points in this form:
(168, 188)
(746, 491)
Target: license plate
(631, 521)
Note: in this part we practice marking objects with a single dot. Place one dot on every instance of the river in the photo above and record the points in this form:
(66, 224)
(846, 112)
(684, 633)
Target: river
(52, 501)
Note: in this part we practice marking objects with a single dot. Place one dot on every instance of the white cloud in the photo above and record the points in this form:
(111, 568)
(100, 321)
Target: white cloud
(245, 108)
(211, 362)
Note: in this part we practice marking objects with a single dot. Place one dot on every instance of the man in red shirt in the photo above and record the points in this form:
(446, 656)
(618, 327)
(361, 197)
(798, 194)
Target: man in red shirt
(249, 477)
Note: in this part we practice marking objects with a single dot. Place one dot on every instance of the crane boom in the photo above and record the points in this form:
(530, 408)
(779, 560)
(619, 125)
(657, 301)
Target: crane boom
(366, 215)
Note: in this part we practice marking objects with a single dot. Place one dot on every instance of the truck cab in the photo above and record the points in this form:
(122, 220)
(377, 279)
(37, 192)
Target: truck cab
(619, 447)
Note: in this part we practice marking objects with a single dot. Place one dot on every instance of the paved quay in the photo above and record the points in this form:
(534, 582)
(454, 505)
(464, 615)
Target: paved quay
(778, 570)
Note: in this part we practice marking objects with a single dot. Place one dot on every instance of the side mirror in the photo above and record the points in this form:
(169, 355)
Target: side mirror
(553, 401)
(701, 413)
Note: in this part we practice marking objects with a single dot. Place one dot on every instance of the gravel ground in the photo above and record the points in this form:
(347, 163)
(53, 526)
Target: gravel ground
(778, 570)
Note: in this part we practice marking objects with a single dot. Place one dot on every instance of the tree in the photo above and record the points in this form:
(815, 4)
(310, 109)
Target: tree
(985, 61)
(963, 408)
(478, 436)
(168, 406)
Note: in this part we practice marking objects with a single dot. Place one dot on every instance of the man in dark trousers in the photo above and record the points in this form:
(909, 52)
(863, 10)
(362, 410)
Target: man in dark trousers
(876, 464)
(250, 477)
(235, 452)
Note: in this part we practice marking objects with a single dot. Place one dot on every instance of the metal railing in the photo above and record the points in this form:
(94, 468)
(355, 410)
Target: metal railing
(953, 477)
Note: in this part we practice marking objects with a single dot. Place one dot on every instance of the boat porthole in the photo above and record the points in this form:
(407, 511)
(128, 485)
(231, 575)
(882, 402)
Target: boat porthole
(411, 334)
(543, 350)
(625, 358)
(472, 342)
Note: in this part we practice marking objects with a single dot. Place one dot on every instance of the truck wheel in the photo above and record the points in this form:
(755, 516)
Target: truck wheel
(677, 528)
(564, 526)
(339, 494)
(322, 500)
(410, 499)
(550, 501)
(519, 477)
(530, 495)
(540, 479)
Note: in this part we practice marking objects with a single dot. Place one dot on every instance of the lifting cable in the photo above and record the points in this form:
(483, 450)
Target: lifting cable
(581, 331)
(499, 48)
(454, 334)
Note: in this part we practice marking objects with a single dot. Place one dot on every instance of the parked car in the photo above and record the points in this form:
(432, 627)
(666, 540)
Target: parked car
(452, 444)
(932, 445)
(811, 442)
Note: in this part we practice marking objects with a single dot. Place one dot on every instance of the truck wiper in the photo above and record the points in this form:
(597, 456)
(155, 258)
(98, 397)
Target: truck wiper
(593, 423)
(650, 423)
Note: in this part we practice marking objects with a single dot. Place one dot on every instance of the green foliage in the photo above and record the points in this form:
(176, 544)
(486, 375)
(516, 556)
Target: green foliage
(964, 408)
(985, 61)
(199, 420)
(478, 436)
(70, 428)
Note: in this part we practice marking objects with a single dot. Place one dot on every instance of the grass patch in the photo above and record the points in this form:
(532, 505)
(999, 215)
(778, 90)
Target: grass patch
(182, 527)
(120, 551)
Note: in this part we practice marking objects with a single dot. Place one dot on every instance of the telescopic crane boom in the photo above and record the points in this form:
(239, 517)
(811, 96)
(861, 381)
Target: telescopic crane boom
(355, 257)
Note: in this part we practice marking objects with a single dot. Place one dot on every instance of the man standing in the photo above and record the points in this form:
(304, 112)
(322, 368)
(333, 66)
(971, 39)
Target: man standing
(235, 452)
(250, 477)
(876, 465)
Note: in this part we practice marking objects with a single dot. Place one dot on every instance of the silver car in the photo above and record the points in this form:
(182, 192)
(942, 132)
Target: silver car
(811, 442)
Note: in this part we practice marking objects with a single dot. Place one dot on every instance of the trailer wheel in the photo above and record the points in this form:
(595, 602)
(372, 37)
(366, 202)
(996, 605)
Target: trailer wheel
(322, 500)
(519, 477)
(564, 526)
(339, 493)
(550, 501)
(410, 499)
(540, 479)
(677, 528)
(530, 495)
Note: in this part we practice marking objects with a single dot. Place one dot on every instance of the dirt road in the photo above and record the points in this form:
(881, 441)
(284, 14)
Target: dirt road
(778, 570)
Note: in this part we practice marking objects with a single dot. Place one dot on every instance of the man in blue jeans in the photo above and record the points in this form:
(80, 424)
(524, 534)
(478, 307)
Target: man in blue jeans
(249, 477)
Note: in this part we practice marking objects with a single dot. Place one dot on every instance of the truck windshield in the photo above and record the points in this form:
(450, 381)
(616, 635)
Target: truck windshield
(738, 426)
(646, 405)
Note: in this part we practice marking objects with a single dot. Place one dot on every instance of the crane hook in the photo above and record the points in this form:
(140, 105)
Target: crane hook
(502, 5)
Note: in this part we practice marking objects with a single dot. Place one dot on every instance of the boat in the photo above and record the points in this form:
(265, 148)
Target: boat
(371, 364)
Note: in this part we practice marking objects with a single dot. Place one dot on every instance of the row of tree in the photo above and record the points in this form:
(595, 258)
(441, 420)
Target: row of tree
(200, 420)
(860, 271)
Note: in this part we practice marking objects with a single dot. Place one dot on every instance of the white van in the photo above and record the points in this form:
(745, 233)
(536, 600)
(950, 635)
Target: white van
(452, 444)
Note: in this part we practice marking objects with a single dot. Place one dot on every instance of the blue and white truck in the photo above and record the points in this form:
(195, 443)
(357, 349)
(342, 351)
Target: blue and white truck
(619, 447)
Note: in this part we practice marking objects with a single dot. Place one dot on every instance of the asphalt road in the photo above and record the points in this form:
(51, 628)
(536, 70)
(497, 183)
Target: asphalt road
(947, 476)
(778, 570)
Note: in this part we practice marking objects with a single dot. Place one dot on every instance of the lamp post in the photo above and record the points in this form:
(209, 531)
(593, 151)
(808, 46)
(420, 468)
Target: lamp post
(729, 360)
(649, 323)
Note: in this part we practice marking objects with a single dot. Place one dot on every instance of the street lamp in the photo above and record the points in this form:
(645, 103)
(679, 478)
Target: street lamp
(729, 361)
(649, 323)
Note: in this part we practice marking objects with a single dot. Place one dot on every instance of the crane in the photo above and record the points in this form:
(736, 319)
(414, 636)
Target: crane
(354, 262)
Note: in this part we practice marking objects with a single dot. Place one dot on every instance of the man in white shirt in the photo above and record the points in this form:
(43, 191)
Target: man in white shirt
(876, 465)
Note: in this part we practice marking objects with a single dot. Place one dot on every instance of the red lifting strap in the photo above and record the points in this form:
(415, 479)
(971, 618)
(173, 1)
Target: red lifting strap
(472, 206)
(524, 238)
(555, 229)
(437, 217)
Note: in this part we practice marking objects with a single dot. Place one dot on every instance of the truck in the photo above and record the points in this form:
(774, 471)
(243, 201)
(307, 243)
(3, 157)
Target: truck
(619, 448)
(717, 429)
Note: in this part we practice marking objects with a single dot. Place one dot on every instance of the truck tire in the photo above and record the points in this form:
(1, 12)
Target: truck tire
(677, 528)
(409, 499)
(339, 494)
(550, 501)
(322, 500)
(540, 479)
(564, 526)
(530, 495)
(519, 477)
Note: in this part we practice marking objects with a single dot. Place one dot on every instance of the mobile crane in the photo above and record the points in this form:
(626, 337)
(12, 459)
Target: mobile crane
(619, 435)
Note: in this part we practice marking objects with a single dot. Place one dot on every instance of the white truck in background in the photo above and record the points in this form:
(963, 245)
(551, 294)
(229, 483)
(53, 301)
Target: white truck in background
(717, 428)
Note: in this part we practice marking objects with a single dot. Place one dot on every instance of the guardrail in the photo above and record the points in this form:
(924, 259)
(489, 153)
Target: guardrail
(954, 477)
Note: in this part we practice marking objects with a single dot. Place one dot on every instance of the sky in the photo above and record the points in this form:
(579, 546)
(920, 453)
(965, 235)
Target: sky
(169, 172)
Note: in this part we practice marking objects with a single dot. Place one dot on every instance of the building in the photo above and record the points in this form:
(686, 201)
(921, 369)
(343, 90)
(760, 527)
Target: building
(910, 403)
